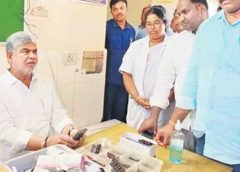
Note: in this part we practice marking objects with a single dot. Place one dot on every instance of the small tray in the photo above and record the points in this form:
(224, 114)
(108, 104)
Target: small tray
(128, 157)
(28, 161)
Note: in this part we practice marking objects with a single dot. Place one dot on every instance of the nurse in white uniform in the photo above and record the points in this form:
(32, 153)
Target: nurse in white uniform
(140, 68)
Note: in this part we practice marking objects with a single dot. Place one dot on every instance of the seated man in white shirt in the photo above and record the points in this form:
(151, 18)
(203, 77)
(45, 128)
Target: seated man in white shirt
(29, 107)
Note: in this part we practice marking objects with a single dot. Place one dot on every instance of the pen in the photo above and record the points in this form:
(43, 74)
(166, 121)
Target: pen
(137, 141)
(93, 160)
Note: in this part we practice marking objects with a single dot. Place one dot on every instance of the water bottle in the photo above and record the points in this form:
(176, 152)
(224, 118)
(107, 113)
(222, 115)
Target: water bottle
(176, 144)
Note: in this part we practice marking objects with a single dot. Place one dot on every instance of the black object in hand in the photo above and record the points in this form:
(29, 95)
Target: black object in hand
(79, 134)
(148, 134)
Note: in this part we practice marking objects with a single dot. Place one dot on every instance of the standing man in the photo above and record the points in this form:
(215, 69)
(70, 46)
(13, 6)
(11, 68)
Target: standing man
(212, 87)
(174, 64)
(119, 35)
(140, 30)
(176, 23)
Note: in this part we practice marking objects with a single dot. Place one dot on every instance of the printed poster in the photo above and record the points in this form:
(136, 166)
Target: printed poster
(92, 62)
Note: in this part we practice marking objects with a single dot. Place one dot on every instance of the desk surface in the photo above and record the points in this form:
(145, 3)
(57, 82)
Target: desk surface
(192, 162)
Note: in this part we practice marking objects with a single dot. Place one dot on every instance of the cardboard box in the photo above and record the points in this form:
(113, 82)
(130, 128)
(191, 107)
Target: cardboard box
(135, 143)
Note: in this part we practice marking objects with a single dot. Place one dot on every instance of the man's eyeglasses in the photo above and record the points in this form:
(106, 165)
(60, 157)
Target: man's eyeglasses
(154, 24)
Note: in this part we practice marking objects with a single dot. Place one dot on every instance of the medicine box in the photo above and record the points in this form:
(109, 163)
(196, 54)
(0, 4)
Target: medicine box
(137, 143)
(131, 154)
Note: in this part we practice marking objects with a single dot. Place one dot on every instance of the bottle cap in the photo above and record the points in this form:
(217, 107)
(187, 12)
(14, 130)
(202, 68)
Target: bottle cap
(178, 125)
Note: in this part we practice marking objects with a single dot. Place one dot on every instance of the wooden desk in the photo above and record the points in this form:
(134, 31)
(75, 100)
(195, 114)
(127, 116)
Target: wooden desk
(192, 162)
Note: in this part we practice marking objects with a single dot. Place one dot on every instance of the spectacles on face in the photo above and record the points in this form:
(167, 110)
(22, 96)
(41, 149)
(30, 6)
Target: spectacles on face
(156, 23)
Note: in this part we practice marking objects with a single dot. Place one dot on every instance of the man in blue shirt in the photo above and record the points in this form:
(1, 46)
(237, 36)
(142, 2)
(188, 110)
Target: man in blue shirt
(140, 30)
(119, 35)
(212, 87)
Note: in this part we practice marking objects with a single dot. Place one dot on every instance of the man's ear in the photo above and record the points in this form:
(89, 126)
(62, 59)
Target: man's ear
(9, 57)
(202, 9)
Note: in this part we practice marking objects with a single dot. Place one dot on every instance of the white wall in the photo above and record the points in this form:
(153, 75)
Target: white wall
(62, 28)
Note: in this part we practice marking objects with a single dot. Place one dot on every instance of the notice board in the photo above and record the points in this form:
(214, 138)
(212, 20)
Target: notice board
(11, 17)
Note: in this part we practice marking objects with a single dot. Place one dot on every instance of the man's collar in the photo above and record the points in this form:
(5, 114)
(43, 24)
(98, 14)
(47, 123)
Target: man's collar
(115, 24)
(11, 79)
(221, 16)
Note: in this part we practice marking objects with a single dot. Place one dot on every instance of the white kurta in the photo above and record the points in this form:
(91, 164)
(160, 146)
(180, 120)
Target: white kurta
(142, 62)
(27, 111)
(172, 71)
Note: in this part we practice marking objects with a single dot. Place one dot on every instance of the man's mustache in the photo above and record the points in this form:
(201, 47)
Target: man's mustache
(221, 1)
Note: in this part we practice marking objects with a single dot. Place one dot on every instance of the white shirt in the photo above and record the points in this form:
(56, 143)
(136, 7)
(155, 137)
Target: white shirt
(142, 62)
(172, 71)
(27, 111)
